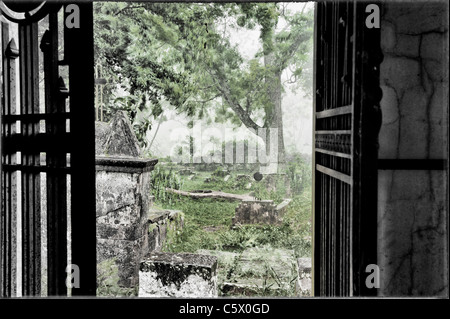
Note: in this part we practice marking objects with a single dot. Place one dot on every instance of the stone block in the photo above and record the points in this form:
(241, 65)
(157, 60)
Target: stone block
(126, 254)
(178, 275)
(102, 130)
(114, 190)
(260, 212)
(389, 38)
(117, 138)
(255, 271)
(108, 230)
(432, 46)
(161, 224)
(395, 70)
(412, 231)
(281, 207)
(407, 45)
(417, 17)
(123, 198)
(436, 71)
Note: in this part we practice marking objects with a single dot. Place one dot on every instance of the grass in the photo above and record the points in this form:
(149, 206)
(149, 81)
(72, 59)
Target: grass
(208, 226)
(208, 222)
(216, 183)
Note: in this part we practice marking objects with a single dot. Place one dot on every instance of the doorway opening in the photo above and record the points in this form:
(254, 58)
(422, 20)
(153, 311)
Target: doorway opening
(222, 95)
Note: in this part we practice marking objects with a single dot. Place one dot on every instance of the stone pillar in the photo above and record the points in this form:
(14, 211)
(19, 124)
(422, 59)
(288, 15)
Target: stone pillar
(123, 202)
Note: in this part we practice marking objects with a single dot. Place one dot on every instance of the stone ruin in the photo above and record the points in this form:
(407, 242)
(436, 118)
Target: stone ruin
(128, 229)
(260, 212)
(122, 191)
(178, 275)
(160, 224)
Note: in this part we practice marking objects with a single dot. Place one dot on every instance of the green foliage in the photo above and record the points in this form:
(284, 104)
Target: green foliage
(299, 171)
(204, 213)
(162, 179)
(181, 53)
(107, 281)
(173, 236)
(207, 225)
(277, 192)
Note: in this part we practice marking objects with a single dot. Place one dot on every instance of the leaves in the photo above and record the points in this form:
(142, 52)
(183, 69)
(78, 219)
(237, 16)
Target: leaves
(181, 52)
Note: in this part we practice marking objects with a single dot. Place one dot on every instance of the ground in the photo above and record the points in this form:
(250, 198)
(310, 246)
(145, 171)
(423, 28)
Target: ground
(208, 229)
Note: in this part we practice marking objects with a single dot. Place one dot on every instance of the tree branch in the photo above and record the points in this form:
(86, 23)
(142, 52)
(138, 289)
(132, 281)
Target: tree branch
(129, 7)
(223, 88)
(289, 53)
(208, 100)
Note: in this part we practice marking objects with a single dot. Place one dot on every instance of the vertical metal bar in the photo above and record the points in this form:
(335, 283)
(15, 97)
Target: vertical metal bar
(55, 94)
(354, 137)
(81, 81)
(316, 208)
(3, 195)
(31, 231)
(10, 177)
(96, 94)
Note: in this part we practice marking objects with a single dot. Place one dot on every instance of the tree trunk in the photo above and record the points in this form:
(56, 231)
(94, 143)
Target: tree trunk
(274, 115)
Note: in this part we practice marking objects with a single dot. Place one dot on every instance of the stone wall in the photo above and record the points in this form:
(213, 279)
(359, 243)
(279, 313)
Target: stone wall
(122, 198)
(412, 207)
(123, 189)
(178, 275)
(163, 225)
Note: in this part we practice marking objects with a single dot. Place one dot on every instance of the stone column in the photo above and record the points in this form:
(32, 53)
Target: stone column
(123, 202)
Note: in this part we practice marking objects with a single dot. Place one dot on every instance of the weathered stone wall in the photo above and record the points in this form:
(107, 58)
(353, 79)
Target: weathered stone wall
(123, 189)
(163, 226)
(122, 198)
(412, 208)
(178, 275)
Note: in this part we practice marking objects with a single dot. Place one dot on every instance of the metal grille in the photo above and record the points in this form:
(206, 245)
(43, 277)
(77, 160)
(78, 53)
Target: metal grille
(36, 141)
(340, 107)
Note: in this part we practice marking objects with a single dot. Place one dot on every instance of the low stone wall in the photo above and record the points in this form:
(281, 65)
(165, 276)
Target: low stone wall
(123, 202)
(260, 212)
(161, 224)
(178, 275)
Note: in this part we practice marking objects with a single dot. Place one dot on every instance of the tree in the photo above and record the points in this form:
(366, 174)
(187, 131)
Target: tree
(182, 53)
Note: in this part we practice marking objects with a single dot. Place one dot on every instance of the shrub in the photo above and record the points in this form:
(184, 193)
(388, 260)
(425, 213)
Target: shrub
(162, 179)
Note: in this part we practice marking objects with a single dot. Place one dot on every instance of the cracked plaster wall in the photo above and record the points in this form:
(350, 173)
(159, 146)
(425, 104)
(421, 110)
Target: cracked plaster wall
(412, 205)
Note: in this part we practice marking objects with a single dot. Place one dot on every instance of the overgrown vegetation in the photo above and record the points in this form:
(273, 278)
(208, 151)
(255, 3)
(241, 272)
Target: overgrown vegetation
(162, 179)
(108, 281)
(208, 221)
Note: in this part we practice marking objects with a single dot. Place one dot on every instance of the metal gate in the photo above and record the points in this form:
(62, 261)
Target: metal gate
(47, 130)
(347, 121)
